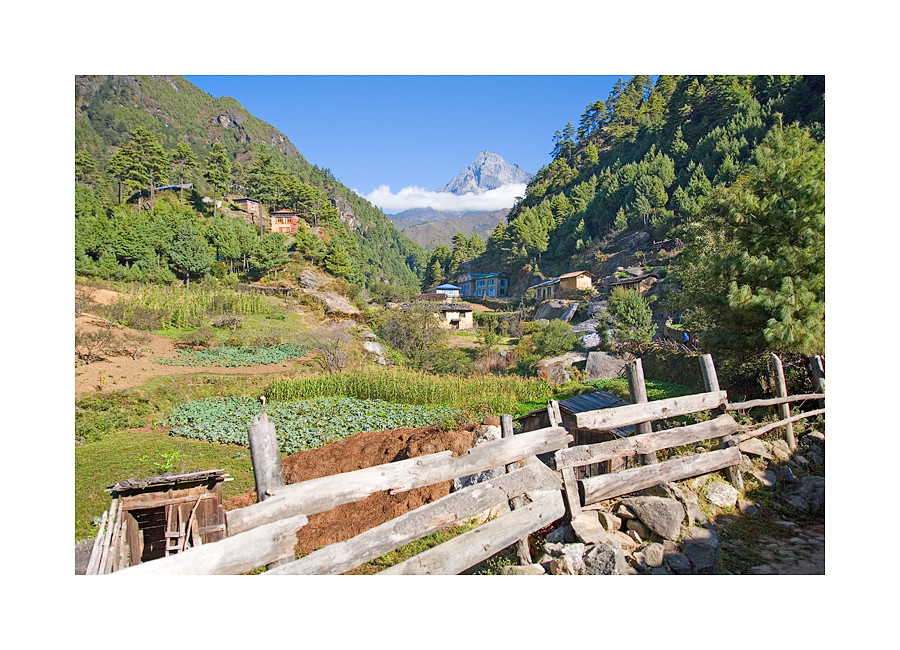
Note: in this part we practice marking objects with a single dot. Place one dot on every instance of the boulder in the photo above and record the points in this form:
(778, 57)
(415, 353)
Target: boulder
(808, 496)
(588, 529)
(604, 560)
(781, 450)
(721, 494)
(608, 520)
(374, 347)
(661, 515)
(637, 526)
(677, 563)
(653, 554)
(591, 340)
(604, 365)
(754, 447)
(562, 566)
(563, 535)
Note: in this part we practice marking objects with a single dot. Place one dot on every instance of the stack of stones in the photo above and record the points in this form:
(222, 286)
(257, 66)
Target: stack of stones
(633, 535)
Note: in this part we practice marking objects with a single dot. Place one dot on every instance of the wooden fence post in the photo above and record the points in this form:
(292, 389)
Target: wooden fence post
(522, 550)
(784, 410)
(817, 371)
(638, 390)
(711, 383)
(570, 483)
(266, 461)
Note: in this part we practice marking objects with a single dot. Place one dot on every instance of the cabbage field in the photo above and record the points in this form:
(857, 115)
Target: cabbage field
(305, 424)
(230, 357)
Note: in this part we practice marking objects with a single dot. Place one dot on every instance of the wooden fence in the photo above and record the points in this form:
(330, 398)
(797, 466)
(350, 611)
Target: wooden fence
(265, 533)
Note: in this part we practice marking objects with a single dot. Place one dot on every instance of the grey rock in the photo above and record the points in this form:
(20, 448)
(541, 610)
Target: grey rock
(747, 508)
(603, 365)
(788, 475)
(588, 529)
(701, 547)
(678, 563)
(661, 515)
(653, 554)
(781, 450)
(767, 477)
(763, 570)
(562, 566)
(754, 447)
(659, 571)
(637, 526)
(808, 497)
(589, 341)
(368, 336)
(374, 347)
(635, 536)
(563, 535)
(524, 570)
(606, 560)
(608, 520)
(721, 494)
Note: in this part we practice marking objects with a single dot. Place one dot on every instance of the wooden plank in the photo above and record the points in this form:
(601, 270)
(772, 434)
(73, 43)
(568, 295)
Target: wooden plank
(758, 432)
(711, 383)
(104, 549)
(621, 416)
(754, 403)
(265, 456)
(94, 560)
(607, 486)
(570, 485)
(637, 388)
(113, 552)
(158, 500)
(723, 425)
(467, 550)
(458, 506)
(233, 555)
(784, 411)
(323, 494)
(522, 550)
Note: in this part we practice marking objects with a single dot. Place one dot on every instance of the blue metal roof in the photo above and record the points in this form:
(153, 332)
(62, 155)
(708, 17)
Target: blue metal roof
(447, 286)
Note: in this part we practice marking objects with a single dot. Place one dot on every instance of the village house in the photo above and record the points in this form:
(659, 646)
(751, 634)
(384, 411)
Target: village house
(564, 284)
(493, 285)
(248, 205)
(448, 290)
(454, 316)
(640, 283)
(286, 221)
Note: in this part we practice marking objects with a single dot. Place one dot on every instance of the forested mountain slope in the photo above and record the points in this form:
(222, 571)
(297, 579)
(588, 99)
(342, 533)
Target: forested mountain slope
(645, 159)
(262, 162)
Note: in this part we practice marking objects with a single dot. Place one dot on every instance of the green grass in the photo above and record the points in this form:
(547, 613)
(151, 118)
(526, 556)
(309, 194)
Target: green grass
(231, 356)
(413, 548)
(122, 455)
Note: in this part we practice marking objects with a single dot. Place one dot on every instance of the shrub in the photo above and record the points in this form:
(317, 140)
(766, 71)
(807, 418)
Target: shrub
(93, 346)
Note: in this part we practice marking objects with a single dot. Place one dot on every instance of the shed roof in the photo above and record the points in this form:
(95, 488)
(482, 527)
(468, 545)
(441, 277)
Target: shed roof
(447, 286)
(174, 480)
(574, 274)
(597, 400)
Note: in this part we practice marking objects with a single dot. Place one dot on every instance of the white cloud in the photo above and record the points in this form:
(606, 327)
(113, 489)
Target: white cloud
(417, 197)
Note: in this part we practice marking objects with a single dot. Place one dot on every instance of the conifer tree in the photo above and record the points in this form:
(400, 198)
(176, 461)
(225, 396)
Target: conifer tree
(753, 275)
(218, 171)
(183, 160)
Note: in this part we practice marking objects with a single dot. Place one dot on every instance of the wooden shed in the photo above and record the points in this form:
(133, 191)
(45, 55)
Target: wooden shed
(157, 516)
(600, 399)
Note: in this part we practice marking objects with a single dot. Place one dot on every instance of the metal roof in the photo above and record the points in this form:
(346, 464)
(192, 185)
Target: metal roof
(446, 286)
(595, 401)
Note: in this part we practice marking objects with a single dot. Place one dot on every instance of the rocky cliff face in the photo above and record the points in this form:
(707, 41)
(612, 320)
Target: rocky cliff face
(487, 172)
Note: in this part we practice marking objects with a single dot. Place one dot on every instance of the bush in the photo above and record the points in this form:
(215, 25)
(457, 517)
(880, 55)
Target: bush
(93, 346)
(553, 339)
(202, 338)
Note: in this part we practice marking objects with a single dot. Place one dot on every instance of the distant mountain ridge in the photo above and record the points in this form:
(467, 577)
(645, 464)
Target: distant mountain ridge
(429, 227)
(429, 234)
(487, 172)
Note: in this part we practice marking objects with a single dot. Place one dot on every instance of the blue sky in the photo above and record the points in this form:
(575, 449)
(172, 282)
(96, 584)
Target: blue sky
(408, 132)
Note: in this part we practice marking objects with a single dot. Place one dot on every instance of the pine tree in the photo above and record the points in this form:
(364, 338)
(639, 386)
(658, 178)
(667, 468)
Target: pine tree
(189, 252)
(218, 171)
(632, 317)
(753, 275)
(183, 160)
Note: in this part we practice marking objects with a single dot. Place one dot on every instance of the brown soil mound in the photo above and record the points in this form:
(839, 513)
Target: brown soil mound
(358, 452)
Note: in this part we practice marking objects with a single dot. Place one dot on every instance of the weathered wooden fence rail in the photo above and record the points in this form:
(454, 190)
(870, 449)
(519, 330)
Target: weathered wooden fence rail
(265, 533)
